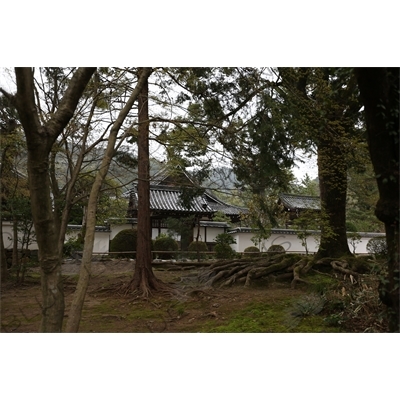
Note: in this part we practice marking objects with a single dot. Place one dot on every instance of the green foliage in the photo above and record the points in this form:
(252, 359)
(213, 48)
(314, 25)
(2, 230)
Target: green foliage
(310, 304)
(276, 248)
(354, 238)
(306, 187)
(197, 246)
(124, 241)
(321, 284)
(219, 216)
(110, 204)
(224, 238)
(351, 226)
(307, 221)
(271, 317)
(73, 245)
(222, 249)
(165, 243)
(362, 194)
(252, 251)
(377, 246)
(224, 252)
(182, 227)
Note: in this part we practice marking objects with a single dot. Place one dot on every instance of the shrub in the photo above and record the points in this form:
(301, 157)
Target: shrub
(351, 226)
(73, 245)
(124, 241)
(165, 243)
(224, 238)
(377, 246)
(197, 246)
(252, 251)
(224, 251)
(276, 248)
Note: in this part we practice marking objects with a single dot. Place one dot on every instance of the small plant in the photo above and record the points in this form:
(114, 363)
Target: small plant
(276, 248)
(354, 239)
(72, 245)
(252, 251)
(377, 246)
(123, 243)
(222, 249)
(311, 304)
(165, 243)
(197, 246)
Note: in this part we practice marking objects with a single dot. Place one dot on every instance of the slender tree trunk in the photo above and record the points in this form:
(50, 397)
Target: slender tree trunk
(3, 260)
(332, 173)
(75, 313)
(379, 90)
(144, 279)
(15, 258)
(197, 238)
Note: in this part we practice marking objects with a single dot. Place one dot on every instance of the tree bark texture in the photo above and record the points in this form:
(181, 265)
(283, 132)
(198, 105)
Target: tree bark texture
(379, 90)
(326, 117)
(74, 315)
(40, 139)
(144, 279)
(332, 173)
(3, 260)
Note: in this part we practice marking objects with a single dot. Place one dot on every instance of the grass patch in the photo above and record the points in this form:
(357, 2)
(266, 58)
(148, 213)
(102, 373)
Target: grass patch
(256, 317)
(321, 283)
(271, 318)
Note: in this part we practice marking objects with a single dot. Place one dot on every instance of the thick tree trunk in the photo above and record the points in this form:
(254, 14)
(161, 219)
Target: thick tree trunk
(144, 279)
(40, 139)
(379, 90)
(52, 295)
(332, 173)
(47, 240)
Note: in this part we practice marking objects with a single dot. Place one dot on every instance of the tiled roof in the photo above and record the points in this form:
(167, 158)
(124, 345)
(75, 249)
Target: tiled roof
(166, 191)
(297, 202)
(98, 228)
(169, 199)
(172, 177)
(227, 209)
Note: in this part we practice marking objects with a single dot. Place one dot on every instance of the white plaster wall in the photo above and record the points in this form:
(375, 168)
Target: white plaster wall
(212, 233)
(101, 242)
(155, 234)
(292, 243)
(8, 236)
(115, 229)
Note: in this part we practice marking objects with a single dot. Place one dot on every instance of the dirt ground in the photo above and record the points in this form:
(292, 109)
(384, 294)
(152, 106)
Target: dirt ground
(108, 309)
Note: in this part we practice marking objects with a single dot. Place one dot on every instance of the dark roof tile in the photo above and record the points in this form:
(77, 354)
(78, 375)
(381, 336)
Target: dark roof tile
(297, 202)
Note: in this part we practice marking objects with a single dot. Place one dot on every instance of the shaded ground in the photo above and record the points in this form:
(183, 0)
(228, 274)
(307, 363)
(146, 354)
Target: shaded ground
(269, 307)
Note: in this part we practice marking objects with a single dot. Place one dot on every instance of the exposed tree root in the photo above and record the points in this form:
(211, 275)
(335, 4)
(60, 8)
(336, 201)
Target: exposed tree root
(275, 267)
(300, 268)
(145, 284)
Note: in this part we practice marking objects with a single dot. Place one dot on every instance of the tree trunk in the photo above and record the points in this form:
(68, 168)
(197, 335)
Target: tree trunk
(3, 260)
(332, 173)
(47, 240)
(75, 312)
(15, 258)
(379, 90)
(144, 279)
(40, 139)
